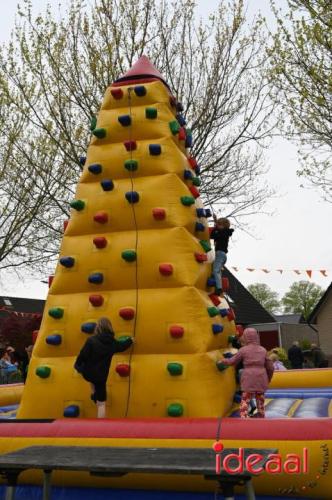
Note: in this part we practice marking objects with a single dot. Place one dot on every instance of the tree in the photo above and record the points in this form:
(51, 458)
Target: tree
(265, 296)
(301, 298)
(53, 75)
(301, 59)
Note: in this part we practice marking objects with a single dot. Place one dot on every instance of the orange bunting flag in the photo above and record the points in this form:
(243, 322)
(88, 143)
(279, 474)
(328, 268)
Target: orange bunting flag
(250, 269)
(265, 270)
(280, 271)
(309, 272)
(297, 271)
(323, 272)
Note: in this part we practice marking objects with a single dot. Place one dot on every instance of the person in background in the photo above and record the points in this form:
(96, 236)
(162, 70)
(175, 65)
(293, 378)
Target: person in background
(220, 234)
(7, 368)
(94, 361)
(257, 372)
(295, 355)
(277, 364)
(318, 357)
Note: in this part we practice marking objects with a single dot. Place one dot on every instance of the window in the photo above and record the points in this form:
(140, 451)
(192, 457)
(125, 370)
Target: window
(7, 302)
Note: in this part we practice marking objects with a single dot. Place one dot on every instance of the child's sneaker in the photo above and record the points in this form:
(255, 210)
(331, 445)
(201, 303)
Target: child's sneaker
(252, 411)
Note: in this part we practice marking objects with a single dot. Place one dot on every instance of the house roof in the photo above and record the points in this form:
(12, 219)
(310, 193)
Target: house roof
(20, 304)
(314, 313)
(247, 309)
(293, 319)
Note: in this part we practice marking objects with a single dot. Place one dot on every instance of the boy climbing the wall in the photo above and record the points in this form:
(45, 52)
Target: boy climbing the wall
(220, 234)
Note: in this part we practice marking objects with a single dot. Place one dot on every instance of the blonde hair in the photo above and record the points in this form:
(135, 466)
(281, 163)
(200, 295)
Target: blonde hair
(104, 326)
(224, 222)
(274, 357)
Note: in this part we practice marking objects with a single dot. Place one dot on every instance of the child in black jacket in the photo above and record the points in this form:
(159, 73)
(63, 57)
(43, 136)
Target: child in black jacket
(94, 361)
(220, 234)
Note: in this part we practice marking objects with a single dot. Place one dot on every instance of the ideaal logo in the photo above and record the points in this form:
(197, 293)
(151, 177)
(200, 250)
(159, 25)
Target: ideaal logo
(235, 463)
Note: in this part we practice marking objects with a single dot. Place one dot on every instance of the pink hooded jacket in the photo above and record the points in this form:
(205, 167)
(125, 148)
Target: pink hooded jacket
(257, 367)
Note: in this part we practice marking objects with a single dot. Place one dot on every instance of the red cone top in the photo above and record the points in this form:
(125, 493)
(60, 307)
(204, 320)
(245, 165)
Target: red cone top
(142, 71)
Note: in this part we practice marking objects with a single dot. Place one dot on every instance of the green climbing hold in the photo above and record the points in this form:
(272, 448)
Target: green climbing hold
(205, 245)
(123, 338)
(131, 165)
(100, 133)
(220, 365)
(196, 181)
(129, 255)
(93, 123)
(174, 126)
(77, 204)
(213, 311)
(175, 410)
(56, 312)
(151, 113)
(43, 371)
(231, 338)
(175, 368)
(187, 200)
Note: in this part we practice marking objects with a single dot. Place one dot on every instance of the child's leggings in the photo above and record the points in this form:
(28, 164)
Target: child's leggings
(245, 400)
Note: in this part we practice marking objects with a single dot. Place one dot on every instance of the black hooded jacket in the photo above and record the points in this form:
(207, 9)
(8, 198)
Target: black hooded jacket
(221, 237)
(94, 360)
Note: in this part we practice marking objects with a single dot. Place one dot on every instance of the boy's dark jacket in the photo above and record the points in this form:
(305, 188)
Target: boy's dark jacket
(221, 237)
(94, 360)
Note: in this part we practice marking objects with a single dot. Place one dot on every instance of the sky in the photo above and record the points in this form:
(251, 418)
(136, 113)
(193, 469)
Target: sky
(295, 237)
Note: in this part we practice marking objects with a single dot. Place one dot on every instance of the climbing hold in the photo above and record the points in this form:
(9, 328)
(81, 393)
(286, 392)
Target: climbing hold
(240, 330)
(201, 257)
(93, 123)
(189, 139)
(151, 113)
(159, 213)
(67, 261)
(124, 120)
(192, 162)
(199, 227)
(175, 368)
(50, 280)
(95, 168)
(231, 339)
(196, 181)
(154, 149)
(223, 312)
(140, 90)
(176, 331)
(77, 205)
(129, 255)
(237, 397)
(56, 312)
(215, 299)
(205, 245)
(107, 185)
(175, 410)
(127, 313)
(101, 217)
(220, 365)
(100, 133)
(96, 278)
(100, 242)
(130, 145)
(231, 315)
(71, 411)
(65, 224)
(43, 371)
(96, 300)
(211, 282)
(212, 311)
(123, 369)
(194, 191)
(225, 284)
(124, 338)
(166, 269)
(197, 170)
(55, 339)
(200, 212)
(82, 160)
(187, 200)
(208, 213)
(187, 175)
(182, 134)
(179, 106)
(181, 119)
(117, 93)
(88, 327)
(174, 127)
(132, 196)
(217, 329)
(131, 165)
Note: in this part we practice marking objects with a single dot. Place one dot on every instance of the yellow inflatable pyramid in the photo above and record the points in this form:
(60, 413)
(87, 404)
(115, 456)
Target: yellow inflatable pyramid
(135, 250)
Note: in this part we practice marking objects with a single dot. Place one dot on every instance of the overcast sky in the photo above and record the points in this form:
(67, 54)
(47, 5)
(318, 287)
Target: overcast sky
(296, 236)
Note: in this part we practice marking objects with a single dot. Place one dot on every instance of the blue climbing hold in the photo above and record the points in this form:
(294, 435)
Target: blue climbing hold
(187, 175)
(217, 329)
(155, 149)
(179, 106)
(200, 212)
(82, 160)
(223, 312)
(125, 120)
(140, 90)
(189, 141)
(181, 119)
(67, 261)
(199, 227)
(55, 339)
(96, 278)
(95, 168)
(132, 196)
(208, 212)
(107, 185)
(211, 282)
(88, 327)
(197, 170)
(71, 411)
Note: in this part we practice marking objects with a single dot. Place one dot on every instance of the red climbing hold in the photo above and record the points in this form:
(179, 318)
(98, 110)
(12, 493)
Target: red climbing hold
(166, 269)
(201, 257)
(239, 329)
(215, 299)
(122, 369)
(96, 300)
(100, 242)
(50, 279)
(127, 313)
(176, 331)
(192, 162)
(130, 145)
(194, 191)
(225, 284)
(65, 224)
(182, 134)
(101, 217)
(231, 315)
(210, 230)
(117, 93)
(159, 213)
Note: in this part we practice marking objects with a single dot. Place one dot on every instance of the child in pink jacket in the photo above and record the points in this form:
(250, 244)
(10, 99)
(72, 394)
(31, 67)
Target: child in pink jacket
(257, 372)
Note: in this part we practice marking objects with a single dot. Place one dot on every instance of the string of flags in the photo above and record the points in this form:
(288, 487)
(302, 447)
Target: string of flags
(308, 272)
(21, 314)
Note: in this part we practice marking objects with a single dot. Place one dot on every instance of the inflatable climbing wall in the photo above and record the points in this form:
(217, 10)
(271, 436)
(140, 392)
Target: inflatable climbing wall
(135, 250)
